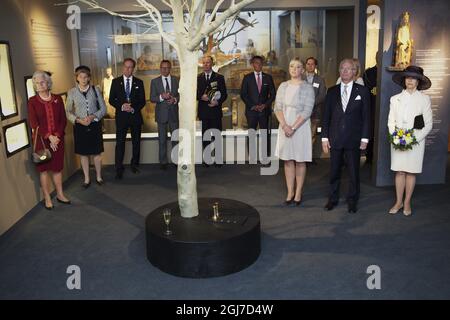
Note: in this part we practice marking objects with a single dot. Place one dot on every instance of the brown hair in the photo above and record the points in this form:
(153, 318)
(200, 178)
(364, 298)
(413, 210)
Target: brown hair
(82, 69)
(130, 59)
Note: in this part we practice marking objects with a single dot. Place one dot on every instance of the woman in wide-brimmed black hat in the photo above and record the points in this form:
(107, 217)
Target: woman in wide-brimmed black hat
(410, 109)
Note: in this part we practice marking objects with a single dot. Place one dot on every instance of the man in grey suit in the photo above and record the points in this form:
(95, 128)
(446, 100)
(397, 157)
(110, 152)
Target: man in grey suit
(164, 92)
(320, 91)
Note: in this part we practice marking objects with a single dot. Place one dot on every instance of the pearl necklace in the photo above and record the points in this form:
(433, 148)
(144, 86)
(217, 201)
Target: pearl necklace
(48, 98)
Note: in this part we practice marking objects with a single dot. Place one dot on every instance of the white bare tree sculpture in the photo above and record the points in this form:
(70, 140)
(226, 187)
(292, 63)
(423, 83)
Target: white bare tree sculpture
(192, 26)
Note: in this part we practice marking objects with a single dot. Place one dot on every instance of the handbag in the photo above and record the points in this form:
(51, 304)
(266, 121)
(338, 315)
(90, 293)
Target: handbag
(418, 122)
(43, 155)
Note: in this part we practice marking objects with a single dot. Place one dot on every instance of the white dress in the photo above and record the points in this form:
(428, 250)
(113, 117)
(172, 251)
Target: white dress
(293, 101)
(403, 109)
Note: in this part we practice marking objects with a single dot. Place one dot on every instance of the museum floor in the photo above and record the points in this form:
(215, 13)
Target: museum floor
(307, 253)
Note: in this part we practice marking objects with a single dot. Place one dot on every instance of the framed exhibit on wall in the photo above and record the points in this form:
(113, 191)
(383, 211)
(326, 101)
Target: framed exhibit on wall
(16, 137)
(8, 105)
(29, 89)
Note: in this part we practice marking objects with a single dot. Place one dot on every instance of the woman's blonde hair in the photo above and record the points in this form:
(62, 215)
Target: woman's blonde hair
(357, 67)
(45, 75)
(297, 60)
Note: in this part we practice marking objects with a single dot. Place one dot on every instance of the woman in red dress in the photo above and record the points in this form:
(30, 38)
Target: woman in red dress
(47, 118)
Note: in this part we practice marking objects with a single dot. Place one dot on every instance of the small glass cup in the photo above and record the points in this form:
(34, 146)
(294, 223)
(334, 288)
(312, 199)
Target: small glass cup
(216, 211)
(167, 214)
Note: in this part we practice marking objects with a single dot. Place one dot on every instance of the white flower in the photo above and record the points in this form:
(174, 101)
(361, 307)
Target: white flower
(396, 141)
(408, 140)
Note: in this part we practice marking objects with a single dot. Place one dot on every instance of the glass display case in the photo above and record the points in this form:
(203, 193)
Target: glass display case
(276, 35)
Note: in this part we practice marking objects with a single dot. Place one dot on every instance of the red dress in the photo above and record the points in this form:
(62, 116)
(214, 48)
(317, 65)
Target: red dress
(50, 117)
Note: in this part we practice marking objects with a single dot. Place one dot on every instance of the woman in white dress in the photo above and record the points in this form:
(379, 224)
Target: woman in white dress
(404, 108)
(293, 106)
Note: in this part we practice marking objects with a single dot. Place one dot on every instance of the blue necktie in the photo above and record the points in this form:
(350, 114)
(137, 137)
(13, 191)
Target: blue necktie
(127, 88)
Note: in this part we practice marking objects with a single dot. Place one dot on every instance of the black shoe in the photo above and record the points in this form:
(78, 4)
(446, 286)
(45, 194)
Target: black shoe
(218, 165)
(100, 182)
(205, 164)
(163, 166)
(289, 202)
(63, 202)
(119, 175)
(330, 205)
(134, 169)
(352, 207)
(86, 185)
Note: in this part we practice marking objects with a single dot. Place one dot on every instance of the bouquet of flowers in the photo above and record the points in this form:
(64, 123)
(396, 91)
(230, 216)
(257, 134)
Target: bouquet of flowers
(402, 139)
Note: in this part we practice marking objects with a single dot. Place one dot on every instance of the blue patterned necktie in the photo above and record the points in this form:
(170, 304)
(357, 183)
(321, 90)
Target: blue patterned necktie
(127, 88)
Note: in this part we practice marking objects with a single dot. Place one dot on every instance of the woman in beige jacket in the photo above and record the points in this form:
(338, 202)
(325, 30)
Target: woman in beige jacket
(404, 108)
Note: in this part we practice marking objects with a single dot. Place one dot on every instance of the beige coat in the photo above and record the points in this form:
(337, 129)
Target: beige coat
(403, 109)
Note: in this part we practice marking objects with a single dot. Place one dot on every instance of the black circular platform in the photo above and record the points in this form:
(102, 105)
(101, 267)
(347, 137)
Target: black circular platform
(200, 247)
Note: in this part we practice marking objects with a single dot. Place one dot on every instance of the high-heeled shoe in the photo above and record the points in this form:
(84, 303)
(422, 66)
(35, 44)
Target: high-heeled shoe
(63, 202)
(86, 185)
(407, 213)
(394, 210)
(297, 203)
(289, 202)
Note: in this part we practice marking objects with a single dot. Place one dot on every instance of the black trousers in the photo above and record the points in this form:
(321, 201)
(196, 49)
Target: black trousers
(263, 122)
(352, 157)
(121, 134)
(212, 123)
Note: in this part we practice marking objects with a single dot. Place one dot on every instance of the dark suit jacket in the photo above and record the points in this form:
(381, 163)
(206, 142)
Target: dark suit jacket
(117, 98)
(345, 130)
(251, 96)
(320, 93)
(205, 111)
(164, 111)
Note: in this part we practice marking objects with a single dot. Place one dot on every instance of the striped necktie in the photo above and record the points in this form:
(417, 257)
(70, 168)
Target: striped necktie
(345, 98)
(128, 88)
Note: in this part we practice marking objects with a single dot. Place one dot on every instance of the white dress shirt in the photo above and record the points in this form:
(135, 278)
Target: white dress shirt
(125, 83)
(164, 85)
(125, 87)
(209, 75)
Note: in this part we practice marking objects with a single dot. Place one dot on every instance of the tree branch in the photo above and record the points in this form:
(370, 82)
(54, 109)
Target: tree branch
(206, 30)
(214, 12)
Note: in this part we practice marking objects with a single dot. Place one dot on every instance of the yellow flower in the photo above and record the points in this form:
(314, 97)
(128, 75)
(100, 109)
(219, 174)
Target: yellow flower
(400, 133)
(408, 135)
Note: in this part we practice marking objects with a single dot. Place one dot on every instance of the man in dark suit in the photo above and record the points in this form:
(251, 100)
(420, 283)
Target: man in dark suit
(320, 91)
(258, 93)
(345, 131)
(210, 107)
(127, 96)
(370, 81)
(164, 92)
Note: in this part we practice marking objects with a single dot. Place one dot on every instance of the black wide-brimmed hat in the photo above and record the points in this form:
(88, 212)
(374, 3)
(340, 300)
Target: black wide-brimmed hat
(413, 72)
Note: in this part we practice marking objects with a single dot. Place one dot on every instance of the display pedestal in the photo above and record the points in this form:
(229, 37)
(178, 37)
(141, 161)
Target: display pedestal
(200, 247)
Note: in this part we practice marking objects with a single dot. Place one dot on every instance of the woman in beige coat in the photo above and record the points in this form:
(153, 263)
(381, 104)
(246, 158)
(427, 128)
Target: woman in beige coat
(404, 108)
